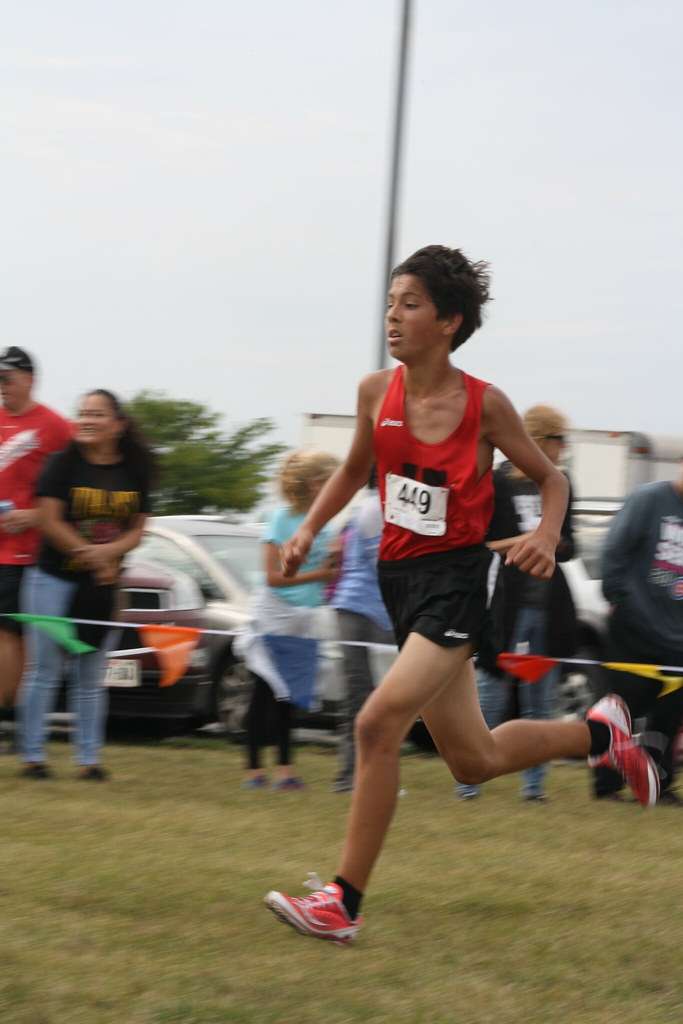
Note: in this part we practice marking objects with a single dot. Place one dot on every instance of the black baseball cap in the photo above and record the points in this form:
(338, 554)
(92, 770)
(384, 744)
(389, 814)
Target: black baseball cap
(14, 358)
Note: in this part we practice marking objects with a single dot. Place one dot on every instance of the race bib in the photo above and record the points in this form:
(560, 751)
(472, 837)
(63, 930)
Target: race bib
(415, 506)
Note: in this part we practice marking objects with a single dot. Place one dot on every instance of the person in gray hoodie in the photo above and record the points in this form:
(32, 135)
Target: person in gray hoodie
(643, 582)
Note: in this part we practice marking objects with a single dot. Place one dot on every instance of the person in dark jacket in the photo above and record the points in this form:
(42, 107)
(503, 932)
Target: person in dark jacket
(539, 613)
(642, 578)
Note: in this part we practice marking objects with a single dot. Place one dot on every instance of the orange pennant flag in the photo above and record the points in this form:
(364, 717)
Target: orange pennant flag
(174, 645)
(529, 667)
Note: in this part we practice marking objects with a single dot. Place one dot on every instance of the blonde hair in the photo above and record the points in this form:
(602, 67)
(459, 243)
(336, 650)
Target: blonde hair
(301, 468)
(540, 421)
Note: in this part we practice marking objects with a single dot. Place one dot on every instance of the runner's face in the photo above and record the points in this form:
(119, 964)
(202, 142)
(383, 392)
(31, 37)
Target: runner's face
(15, 390)
(98, 424)
(412, 326)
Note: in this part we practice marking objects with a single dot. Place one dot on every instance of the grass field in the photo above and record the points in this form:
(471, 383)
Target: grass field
(138, 901)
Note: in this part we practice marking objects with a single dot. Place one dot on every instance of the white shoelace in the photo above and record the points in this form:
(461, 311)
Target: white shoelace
(314, 882)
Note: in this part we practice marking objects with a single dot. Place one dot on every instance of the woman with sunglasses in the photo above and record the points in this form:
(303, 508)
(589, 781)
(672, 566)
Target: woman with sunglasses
(539, 613)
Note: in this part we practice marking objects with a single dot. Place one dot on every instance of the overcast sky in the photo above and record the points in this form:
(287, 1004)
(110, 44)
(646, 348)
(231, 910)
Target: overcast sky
(195, 193)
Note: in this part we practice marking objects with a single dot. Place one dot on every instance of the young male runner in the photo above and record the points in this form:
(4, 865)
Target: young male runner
(432, 430)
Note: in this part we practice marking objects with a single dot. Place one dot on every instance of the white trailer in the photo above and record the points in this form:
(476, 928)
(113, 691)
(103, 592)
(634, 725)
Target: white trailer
(605, 465)
(327, 432)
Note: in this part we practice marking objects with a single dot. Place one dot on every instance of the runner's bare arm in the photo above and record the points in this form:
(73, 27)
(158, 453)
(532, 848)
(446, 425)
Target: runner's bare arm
(276, 578)
(503, 428)
(503, 546)
(345, 481)
(63, 536)
(54, 527)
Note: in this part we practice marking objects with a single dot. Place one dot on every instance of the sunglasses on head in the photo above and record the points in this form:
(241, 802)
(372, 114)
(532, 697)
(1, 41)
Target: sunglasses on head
(555, 437)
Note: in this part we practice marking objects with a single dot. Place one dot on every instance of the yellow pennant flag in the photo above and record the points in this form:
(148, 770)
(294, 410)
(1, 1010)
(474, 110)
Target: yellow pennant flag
(670, 683)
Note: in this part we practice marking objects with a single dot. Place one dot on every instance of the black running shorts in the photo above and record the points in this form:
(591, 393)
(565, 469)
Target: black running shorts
(449, 597)
(10, 582)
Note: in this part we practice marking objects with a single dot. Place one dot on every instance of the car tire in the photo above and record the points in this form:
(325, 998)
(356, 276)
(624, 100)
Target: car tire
(232, 692)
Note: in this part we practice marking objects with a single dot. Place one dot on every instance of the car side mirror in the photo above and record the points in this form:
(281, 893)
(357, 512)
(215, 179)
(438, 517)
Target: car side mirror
(209, 590)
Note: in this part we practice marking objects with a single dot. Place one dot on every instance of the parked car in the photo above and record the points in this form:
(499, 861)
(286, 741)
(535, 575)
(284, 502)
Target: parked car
(152, 594)
(225, 562)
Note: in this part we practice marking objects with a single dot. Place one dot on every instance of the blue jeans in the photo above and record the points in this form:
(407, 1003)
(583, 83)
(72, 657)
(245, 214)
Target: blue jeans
(493, 694)
(535, 699)
(43, 594)
(358, 681)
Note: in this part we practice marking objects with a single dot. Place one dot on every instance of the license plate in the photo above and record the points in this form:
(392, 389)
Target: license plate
(122, 673)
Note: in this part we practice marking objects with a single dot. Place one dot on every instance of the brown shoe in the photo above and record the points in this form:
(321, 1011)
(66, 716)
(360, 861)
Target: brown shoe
(94, 773)
(35, 771)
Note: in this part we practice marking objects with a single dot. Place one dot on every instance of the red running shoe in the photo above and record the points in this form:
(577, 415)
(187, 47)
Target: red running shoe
(321, 915)
(631, 760)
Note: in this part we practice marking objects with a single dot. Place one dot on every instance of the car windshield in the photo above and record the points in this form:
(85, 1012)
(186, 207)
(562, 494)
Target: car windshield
(590, 531)
(241, 556)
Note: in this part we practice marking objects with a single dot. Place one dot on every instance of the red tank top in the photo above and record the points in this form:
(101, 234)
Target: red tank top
(432, 497)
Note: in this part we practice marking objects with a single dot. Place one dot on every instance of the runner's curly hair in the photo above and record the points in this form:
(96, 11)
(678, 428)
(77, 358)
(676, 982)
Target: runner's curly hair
(454, 283)
(299, 470)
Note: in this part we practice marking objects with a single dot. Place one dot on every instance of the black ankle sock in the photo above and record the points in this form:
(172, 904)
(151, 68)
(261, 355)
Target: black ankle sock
(600, 737)
(350, 897)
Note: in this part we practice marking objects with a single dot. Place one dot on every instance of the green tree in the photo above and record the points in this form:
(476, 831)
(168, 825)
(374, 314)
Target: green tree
(202, 469)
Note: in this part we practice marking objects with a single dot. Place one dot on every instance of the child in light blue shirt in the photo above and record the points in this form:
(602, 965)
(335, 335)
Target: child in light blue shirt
(281, 650)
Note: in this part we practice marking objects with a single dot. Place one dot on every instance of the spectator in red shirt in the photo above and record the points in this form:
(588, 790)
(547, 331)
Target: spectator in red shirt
(29, 433)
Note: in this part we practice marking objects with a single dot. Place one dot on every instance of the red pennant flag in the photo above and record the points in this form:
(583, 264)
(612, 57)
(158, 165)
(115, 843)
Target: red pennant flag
(174, 645)
(529, 667)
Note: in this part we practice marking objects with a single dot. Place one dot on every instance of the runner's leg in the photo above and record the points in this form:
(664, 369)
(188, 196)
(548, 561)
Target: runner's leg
(421, 671)
(474, 755)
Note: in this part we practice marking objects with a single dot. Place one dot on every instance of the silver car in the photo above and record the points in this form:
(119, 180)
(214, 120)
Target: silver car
(225, 561)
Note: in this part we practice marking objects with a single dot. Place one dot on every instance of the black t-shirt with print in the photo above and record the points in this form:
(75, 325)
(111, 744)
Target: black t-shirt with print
(515, 511)
(101, 503)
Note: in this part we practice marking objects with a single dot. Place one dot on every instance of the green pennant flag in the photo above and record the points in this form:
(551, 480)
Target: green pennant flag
(61, 630)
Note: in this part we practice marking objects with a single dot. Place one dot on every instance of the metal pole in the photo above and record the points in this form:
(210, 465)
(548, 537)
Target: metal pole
(395, 168)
